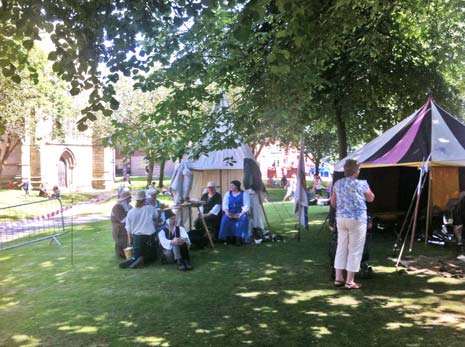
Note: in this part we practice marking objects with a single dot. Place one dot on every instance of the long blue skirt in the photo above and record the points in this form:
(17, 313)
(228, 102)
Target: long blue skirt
(234, 227)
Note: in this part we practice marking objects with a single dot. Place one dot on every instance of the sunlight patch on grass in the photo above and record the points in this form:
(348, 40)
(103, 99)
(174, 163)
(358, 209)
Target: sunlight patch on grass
(320, 332)
(344, 300)
(101, 318)
(8, 303)
(26, 341)
(263, 325)
(202, 331)
(5, 258)
(245, 329)
(299, 295)
(393, 302)
(265, 309)
(46, 264)
(270, 272)
(397, 325)
(454, 292)
(384, 269)
(127, 324)
(445, 280)
(445, 319)
(152, 341)
(262, 279)
(79, 329)
(316, 313)
(8, 280)
(255, 294)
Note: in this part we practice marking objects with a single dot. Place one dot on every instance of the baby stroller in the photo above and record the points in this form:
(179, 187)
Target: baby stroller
(366, 271)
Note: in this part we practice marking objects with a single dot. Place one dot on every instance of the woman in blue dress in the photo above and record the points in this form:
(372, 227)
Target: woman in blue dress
(235, 221)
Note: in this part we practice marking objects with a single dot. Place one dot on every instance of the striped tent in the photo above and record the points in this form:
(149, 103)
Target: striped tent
(391, 162)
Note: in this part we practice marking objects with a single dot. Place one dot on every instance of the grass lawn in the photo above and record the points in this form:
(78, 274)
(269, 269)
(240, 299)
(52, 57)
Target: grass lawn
(273, 294)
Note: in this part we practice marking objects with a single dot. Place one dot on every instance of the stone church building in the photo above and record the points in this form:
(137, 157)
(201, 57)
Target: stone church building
(74, 162)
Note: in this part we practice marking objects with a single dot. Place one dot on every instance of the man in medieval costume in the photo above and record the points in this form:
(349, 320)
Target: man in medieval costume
(118, 223)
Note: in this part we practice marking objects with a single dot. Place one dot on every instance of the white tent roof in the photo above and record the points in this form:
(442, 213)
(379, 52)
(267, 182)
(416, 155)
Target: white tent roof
(221, 160)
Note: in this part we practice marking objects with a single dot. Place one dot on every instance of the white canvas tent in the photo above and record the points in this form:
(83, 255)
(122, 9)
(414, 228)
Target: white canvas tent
(191, 176)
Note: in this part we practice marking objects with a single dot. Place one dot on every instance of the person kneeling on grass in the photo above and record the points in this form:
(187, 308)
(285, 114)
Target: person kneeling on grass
(175, 243)
(140, 224)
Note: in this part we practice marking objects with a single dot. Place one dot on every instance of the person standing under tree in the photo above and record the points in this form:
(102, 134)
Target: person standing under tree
(349, 198)
(25, 186)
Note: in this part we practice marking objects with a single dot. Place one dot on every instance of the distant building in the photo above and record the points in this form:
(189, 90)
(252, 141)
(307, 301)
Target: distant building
(74, 163)
(276, 162)
(136, 165)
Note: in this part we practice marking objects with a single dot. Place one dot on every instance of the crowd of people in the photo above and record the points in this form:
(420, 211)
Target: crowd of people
(44, 191)
(150, 231)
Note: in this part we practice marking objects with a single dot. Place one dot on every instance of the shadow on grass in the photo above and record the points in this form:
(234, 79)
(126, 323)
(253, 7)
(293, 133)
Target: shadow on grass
(273, 294)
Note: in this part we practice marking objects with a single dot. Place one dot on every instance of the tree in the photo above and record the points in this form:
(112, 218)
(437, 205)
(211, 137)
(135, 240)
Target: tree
(26, 104)
(341, 62)
(88, 34)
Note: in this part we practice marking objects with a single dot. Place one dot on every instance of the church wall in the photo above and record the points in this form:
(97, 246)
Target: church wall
(81, 172)
(102, 167)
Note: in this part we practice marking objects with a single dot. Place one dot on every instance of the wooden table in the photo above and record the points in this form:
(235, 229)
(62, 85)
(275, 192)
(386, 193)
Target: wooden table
(190, 205)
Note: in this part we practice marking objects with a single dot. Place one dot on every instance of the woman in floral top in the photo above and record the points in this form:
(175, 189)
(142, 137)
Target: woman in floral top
(349, 197)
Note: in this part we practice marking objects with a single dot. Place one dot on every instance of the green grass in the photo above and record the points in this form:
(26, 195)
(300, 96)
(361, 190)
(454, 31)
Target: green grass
(273, 294)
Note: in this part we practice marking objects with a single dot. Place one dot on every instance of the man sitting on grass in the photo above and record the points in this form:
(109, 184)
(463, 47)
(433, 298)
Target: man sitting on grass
(175, 243)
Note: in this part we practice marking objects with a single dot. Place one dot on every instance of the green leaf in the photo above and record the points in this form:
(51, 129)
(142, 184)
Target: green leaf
(81, 125)
(52, 56)
(75, 91)
(242, 33)
(7, 72)
(28, 44)
(16, 79)
(48, 27)
(114, 104)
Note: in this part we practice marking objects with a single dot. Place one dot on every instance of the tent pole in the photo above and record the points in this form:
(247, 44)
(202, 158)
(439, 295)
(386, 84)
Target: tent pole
(263, 208)
(421, 183)
(221, 182)
(299, 228)
(404, 224)
(428, 211)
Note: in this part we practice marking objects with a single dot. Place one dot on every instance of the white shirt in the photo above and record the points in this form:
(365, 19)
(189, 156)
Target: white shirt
(140, 221)
(246, 201)
(166, 243)
(215, 210)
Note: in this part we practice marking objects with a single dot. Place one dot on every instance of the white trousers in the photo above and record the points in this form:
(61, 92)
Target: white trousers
(351, 236)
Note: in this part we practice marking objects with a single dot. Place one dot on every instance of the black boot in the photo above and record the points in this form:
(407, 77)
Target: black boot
(125, 264)
(238, 241)
(186, 257)
(181, 265)
(188, 265)
(139, 262)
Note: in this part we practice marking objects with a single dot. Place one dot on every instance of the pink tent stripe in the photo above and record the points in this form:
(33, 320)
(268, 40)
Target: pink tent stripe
(396, 153)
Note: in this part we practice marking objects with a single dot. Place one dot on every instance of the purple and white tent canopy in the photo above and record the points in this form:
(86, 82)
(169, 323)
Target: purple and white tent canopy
(429, 131)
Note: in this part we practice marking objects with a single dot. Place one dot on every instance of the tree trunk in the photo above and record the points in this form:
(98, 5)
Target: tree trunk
(341, 131)
(150, 171)
(8, 147)
(162, 173)
(317, 165)
(257, 151)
